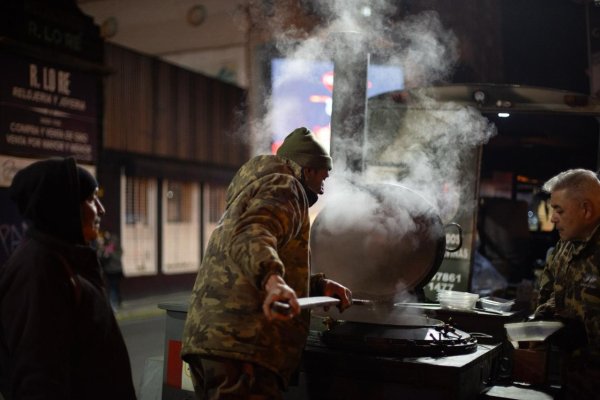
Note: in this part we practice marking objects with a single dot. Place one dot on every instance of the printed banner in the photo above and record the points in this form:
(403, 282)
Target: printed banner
(47, 110)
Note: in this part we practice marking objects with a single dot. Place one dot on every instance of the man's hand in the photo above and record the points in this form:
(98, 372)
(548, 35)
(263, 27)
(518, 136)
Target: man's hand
(278, 290)
(334, 289)
(546, 310)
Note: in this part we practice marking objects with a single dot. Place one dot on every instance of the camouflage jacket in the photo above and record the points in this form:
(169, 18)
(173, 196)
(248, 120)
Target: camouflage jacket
(264, 230)
(570, 286)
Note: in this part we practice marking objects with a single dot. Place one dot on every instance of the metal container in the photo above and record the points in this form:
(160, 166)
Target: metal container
(387, 247)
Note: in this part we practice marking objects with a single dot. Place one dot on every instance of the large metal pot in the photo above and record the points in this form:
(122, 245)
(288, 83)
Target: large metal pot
(389, 244)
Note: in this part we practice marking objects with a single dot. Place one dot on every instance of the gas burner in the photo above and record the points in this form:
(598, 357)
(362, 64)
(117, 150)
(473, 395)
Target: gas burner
(399, 341)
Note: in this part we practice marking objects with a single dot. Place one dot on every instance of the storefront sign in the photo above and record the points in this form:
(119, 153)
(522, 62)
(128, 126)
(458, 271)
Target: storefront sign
(56, 36)
(55, 29)
(47, 110)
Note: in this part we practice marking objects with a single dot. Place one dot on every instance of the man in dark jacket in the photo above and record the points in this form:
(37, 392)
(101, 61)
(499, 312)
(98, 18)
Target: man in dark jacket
(570, 282)
(235, 343)
(58, 336)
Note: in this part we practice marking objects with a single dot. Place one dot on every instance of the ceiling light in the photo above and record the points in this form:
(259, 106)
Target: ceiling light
(503, 115)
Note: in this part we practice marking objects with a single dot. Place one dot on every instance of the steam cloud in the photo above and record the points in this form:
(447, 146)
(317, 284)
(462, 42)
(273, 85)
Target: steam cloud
(423, 151)
(431, 143)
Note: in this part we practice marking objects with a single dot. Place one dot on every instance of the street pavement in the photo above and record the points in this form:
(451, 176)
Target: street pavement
(147, 307)
(143, 326)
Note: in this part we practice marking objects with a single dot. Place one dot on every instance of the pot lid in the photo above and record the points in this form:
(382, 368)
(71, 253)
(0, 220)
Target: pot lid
(389, 243)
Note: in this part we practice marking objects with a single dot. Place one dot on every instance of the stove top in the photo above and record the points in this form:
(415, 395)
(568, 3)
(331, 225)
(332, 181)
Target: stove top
(404, 341)
(333, 372)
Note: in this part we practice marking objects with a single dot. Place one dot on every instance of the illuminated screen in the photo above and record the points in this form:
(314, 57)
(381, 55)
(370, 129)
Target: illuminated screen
(301, 95)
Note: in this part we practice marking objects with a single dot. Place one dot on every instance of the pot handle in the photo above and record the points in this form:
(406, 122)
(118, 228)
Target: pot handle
(460, 238)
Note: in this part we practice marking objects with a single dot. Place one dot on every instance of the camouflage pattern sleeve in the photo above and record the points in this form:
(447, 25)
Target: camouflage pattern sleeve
(590, 300)
(546, 305)
(272, 217)
(264, 230)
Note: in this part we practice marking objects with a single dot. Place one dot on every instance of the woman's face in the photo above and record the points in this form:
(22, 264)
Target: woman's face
(91, 212)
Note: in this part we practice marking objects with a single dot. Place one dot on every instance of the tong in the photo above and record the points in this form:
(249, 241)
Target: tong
(313, 302)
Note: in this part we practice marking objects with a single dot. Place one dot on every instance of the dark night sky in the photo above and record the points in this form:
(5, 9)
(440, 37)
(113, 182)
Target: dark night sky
(545, 43)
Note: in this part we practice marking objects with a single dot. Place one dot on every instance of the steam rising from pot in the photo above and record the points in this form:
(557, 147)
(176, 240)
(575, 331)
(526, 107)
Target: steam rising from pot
(421, 147)
(428, 146)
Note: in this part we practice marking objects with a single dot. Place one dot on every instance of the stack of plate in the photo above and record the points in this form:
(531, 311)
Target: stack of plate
(496, 304)
(457, 300)
(532, 331)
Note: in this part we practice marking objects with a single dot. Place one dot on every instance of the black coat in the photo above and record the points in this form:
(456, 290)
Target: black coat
(58, 335)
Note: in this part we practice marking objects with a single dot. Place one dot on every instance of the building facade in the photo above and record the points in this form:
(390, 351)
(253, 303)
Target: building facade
(163, 141)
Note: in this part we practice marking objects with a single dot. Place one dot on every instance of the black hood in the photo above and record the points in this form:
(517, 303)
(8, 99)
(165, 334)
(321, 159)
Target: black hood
(48, 196)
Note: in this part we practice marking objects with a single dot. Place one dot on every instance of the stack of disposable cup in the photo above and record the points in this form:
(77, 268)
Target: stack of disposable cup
(457, 300)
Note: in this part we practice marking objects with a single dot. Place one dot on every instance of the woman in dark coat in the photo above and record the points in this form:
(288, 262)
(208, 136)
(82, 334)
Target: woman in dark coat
(58, 336)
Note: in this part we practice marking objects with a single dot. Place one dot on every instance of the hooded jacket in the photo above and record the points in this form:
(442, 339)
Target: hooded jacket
(58, 336)
(264, 230)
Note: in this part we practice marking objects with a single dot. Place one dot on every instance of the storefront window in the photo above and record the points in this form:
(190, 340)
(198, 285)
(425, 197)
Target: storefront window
(180, 227)
(136, 200)
(179, 202)
(139, 225)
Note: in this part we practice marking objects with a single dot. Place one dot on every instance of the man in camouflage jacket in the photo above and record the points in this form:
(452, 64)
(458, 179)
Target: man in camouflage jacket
(235, 343)
(570, 282)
